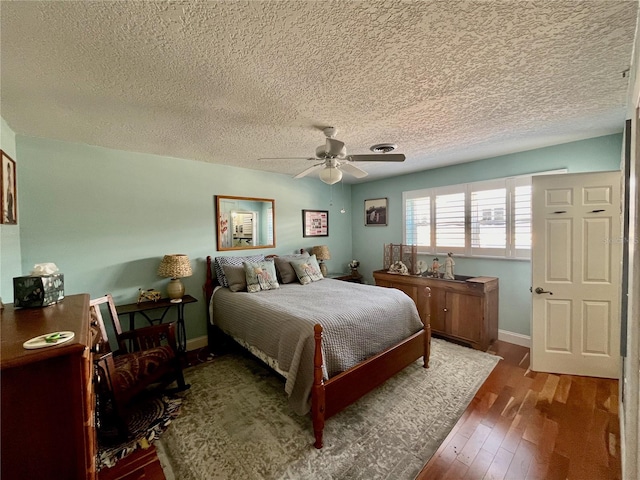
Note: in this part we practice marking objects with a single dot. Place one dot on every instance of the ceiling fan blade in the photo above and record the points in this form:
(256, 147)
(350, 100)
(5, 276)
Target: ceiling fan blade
(353, 170)
(287, 158)
(309, 170)
(335, 147)
(381, 157)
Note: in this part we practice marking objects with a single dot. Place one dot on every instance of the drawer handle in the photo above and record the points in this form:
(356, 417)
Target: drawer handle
(445, 310)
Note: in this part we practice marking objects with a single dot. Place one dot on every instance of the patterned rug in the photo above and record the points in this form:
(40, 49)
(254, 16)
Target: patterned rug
(236, 423)
(146, 422)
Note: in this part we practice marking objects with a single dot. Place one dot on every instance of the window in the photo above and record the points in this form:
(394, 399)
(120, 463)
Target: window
(418, 217)
(488, 221)
(522, 218)
(270, 228)
(489, 218)
(450, 221)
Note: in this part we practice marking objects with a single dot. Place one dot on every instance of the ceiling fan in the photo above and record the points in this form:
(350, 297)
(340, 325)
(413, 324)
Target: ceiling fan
(333, 160)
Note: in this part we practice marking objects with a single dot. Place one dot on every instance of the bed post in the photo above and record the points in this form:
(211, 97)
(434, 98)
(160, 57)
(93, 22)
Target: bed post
(317, 391)
(208, 291)
(427, 327)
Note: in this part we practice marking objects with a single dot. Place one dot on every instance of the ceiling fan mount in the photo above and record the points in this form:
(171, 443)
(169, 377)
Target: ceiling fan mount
(333, 159)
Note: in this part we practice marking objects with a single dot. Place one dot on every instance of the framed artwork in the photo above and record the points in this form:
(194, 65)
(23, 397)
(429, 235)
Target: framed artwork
(9, 199)
(315, 223)
(375, 212)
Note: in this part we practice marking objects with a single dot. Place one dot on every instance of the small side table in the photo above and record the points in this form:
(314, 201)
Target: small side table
(353, 277)
(142, 308)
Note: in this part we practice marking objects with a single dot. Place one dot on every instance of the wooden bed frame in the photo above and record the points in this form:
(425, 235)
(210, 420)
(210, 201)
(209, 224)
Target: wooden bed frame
(331, 396)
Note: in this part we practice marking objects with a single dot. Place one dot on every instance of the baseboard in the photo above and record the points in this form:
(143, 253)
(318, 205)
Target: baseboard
(197, 343)
(515, 338)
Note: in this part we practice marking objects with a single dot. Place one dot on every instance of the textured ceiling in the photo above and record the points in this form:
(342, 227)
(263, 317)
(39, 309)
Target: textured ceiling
(229, 82)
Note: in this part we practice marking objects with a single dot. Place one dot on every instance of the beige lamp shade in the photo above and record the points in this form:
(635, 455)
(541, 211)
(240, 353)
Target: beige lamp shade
(322, 253)
(175, 266)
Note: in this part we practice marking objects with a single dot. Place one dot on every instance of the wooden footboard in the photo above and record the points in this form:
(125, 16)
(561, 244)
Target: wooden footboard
(340, 391)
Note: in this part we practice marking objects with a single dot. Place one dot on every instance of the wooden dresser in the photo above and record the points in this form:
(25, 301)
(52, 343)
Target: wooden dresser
(465, 311)
(48, 403)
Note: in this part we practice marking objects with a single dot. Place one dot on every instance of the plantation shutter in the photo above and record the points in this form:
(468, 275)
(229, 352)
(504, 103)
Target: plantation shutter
(417, 214)
(450, 220)
(489, 218)
(522, 218)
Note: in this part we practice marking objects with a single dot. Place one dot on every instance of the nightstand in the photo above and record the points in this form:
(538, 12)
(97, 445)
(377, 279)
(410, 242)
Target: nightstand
(353, 277)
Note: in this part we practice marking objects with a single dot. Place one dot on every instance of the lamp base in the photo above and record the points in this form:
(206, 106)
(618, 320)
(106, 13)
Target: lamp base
(323, 269)
(175, 290)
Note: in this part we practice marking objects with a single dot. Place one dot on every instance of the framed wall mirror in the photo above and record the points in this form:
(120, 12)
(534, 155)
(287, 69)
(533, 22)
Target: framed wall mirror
(243, 223)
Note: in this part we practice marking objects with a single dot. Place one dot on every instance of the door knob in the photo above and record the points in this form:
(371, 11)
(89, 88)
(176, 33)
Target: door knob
(540, 291)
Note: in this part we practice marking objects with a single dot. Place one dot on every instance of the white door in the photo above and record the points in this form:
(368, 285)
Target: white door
(576, 258)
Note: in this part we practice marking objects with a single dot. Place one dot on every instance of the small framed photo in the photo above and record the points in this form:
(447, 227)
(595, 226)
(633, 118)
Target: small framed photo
(9, 198)
(315, 223)
(375, 212)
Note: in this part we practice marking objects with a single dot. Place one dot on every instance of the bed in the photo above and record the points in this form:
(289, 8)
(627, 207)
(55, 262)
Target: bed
(330, 357)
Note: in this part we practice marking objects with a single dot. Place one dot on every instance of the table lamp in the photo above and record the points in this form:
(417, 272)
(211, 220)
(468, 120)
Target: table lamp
(322, 253)
(175, 266)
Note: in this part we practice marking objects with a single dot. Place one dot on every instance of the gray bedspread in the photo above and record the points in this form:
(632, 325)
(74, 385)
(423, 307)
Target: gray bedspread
(358, 322)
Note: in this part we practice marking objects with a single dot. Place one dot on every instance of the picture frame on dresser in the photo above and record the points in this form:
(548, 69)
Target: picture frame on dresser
(8, 197)
(315, 223)
(375, 212)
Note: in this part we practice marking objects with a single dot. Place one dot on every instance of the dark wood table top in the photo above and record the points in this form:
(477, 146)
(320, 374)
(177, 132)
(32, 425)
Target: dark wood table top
(21, 324)
(151, 305)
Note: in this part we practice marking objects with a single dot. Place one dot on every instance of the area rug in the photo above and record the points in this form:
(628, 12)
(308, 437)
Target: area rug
(235, 422)
(149, 418)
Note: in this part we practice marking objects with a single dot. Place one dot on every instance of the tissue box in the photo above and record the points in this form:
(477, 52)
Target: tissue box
(38, 291)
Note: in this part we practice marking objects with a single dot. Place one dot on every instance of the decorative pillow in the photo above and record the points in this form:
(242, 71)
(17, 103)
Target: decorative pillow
(235, 277)
(307, 270)
(260, 276)
(218, 262)
(286, 273)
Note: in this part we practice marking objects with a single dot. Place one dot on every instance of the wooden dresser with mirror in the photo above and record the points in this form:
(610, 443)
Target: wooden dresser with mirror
(48, 399)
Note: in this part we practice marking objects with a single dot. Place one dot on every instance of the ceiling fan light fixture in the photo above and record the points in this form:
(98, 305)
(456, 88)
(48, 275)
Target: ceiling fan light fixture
(330, 175)
(383, 147)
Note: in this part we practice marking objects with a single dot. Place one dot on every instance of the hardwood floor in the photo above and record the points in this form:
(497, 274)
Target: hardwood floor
(523, 425)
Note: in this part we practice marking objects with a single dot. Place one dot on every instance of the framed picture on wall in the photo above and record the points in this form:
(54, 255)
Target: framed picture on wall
(315, 223)
(375, 212)
(9, 198)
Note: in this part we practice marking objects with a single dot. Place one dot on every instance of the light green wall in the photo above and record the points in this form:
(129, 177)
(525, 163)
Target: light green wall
(106, 217)
(596, 154)
(10, 256)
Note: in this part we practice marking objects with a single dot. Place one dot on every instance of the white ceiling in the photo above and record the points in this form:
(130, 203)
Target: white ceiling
(229, 82)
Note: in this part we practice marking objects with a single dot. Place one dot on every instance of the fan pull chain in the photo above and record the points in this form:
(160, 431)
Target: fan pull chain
(342, 210)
